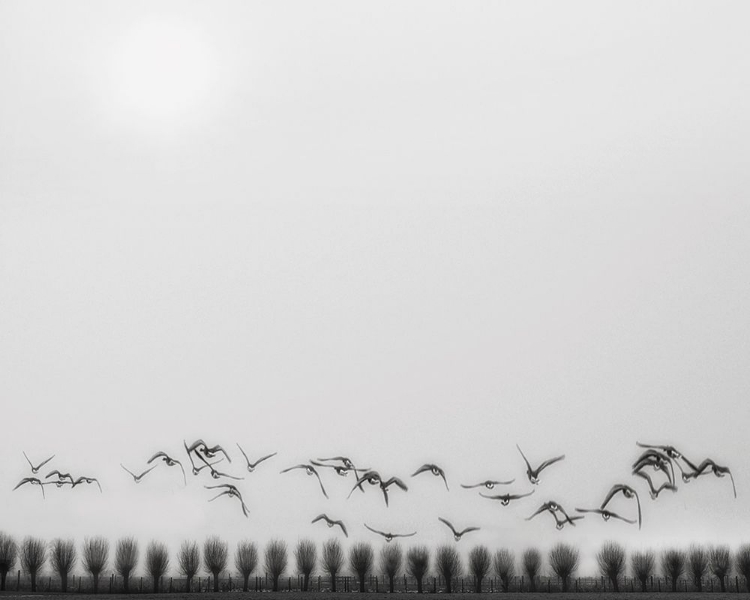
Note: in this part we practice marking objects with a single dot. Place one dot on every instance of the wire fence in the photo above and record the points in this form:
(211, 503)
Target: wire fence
(373, 583)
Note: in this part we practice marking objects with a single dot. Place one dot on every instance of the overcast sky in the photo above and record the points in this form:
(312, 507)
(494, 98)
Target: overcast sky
(402, 232)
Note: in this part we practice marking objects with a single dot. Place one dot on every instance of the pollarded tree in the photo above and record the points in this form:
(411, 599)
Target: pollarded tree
(189, 561)
(611, 560)
(643, 565)
(479, 564)
(504, 563)
(742, 563)
(698, 564)
(276, 561)
(95, 557)
(361, 558)
(563, 559)
(157, 562)
(391, 558)
(306, 555)
(532, 564)
(33, 557)
(245, 561)
(333, 560)
(720, 559)
(126, 559)
(215, 557)
(673, 565)
(418, 563)
(448, 564)
(8, 555)
(63, 558)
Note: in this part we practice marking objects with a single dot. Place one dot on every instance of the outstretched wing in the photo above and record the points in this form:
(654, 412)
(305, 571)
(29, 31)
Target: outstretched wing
(422, 469)
(44, 462)
(376, 531)
(528, 466)
(549, 462)
(322, 489)
(159, 454)
(453, 529)
(398, 482)
(403, 534)
(343, 527)
(469, 529)
(319, 517)
(260, 460)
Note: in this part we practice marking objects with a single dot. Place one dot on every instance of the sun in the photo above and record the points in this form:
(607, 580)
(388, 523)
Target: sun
(162, 70)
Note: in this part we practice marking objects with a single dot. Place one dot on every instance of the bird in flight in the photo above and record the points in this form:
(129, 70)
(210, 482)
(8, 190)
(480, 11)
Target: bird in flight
(309, 470)
(231, 491)
(658, 461)
(33, 481)
(506, 498)
(374, 478)
(606, 514)
(488, 483)
(200, 447)
(560, 523)
(654, 491)
(706, 467)
(214, 473)
(628, 492)
(533, 474)
(137, 478)
(457, 535)
(169, 461)
(435, 470)
(251, 466)
(62, 478)
(550, 506)
(330, 522)
(197, 470)
(88, 480)
(670, 451)
(35, 469)
(389, 536)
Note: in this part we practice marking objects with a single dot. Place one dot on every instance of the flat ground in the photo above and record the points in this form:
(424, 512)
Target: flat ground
(295, 595)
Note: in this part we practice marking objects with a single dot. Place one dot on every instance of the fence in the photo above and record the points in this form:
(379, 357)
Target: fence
(373, 583)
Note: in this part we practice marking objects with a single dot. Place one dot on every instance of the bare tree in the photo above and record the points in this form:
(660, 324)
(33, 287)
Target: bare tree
(189, 561)
(448, 564)
(418, 563)
(306, 555)
(245, 561)
(33, 557)
(611, 560)
(720, 559)
(643, 565)
(333, 560)
(698, 564)
(391, 559)
(479, 565)
(563, 560)
(742, 563)
(63, 560)
(95, 557)
(361, 558)
(276, 561)
(157, 562)
(8, 555)
(532, 564)
(673, 565)
(215, 557)
(126, 559)
(504, 563)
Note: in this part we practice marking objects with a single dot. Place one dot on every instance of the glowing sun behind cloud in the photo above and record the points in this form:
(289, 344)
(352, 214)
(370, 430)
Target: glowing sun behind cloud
(162, 71)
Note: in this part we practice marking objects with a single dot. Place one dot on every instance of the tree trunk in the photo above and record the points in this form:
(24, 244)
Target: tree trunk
(64, 582)
(3, 575)
(126, 582)
(333, 582)
(362, 583)
(532, 584)
(419, 585)
(245, 584)
(187, 584)
(156, 585)
(478, 587)
(391, 578)
(699, 583)
(506, 582)
(33, 582)
(564, 584)
(276, 583)
(96, 582)
(306, 582)
(643, 584)
(448, 586)
(674, 584)
(721, 583)
(216, 580)
(615, 584)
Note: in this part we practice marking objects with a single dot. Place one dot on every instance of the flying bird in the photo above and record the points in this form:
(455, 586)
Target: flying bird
(389, 536)
(197, 470)
(89, 481)
(231, 491)
(374, 478)
(489, 484)
(506, 498)
(654, 491)
(251, 466)
(550, 506)
(658, 461)
(342, 471)
(628, 492)
(606, 514)
(61, 478)
(214, 473)
(310, 470)
(169, 461)
(137, 478)
(560, 523)
(200, 447)
(435, 470)
(457, 535)
(33, 481)
(35, 469)
(533, 474)
(670, 451)
(706, 467)
(330, 522)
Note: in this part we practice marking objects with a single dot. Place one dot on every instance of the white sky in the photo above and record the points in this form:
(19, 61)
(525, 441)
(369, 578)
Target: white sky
(404, 232)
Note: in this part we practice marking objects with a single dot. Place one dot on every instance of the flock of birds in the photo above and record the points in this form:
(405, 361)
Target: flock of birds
(661, 459)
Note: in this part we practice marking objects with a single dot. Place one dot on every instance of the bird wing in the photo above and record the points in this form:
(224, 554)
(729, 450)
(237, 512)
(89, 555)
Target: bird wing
(218, 448)
(159, 454)
(147, 471)
(468, 487)
(226, 475)
(616, 516)
(403, 534)
(343, 527)
(612, 491)
(468, 529)
(320, 482)
(44, 462)
(294, 467)
(24, 480)
(445, 481)
(55, 472)
(549, 462)
(517, 496)
(528, 466)
(541, 509)
(398, 482)
(453, 529)
(196, 444)
(243, 454)
(260, 460)
(122, 465)
(27, 459)
(376, 531)
(422, 469)
(319, 517)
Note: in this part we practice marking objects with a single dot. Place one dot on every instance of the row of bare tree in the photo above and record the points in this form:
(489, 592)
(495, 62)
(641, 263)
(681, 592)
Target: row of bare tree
(563, 560)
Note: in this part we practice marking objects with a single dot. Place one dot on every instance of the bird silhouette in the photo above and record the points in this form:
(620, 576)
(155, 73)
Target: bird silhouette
(457, 535)
(550, 506)
(231, 491)
(340, 470)
(628, 492)
(89, 481)
(200, 447)
(169, 461)
(533, 474)
(251, 466)
(35, 469)
(670, 451)
(506, 498)
(389, 536)
(706, 467)
(33, 481)
(309, 470)
(606, 514)
(435, 470)
(197, 470)
(214, 473)
(374, 478)
(62, 478)
(659, 461)
(138, 478)
(330, 522)
(488, 483)
(568, 520)
(654, 491)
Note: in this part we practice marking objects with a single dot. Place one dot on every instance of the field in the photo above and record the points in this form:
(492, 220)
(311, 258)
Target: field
(296, 595)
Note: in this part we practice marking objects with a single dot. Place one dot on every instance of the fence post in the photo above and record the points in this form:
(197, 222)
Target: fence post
(79, 584)
(318, 582)
(462, 585)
